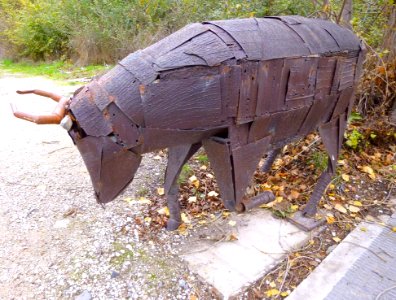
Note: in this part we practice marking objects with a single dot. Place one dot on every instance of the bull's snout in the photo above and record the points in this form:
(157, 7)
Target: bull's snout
(110, 166)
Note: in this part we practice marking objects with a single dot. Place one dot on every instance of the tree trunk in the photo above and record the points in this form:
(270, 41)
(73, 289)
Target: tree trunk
(345, 16)
(389, 42)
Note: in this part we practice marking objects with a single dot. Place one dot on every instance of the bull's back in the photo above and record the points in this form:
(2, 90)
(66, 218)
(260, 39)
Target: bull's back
(281, 75)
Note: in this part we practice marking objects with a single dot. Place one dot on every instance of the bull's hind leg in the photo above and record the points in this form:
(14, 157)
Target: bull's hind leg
(332, 136)
(269, 160)
(177, 157)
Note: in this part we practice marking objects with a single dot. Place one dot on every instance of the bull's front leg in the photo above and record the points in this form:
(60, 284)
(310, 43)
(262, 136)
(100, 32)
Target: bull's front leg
(177, 157)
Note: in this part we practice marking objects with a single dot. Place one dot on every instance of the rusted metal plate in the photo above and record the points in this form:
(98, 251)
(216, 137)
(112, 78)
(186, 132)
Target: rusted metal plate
(238, 135)
(301, 83)
(189, 72)
(347, 73)
(228, 40)
(259, 129)
(317, 39)
(280, 122)
(204, 49)
(99, 95)
(279, 40)
(360, 60)
(91, 152)
(345, 38)
(324, 76)
(248, 93)
(88, 115)
(140, 66)
(175, 39)
(319, 112)
(115, 160)
(329, 132)
(343, 101)
(230, 86)
(245, 161)
(155, 139)
(183, 104)
(123, 88)
(125, 131)
(246, 33)
(272, 84)
(219, 155)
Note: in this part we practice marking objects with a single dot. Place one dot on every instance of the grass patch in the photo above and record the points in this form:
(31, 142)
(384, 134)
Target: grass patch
(58, 70)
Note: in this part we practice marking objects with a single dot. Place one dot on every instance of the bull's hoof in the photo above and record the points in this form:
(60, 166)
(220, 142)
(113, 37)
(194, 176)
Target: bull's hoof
(172, 224)
(310, 211)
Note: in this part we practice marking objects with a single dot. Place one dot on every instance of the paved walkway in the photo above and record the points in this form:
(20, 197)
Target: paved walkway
(362, 267)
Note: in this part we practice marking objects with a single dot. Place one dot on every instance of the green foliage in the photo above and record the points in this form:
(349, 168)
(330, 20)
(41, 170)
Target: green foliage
(354, 117)
(203, 158)
(354, 139)
(185, 173)
(58, 70)
(319, 160)
(103, 31)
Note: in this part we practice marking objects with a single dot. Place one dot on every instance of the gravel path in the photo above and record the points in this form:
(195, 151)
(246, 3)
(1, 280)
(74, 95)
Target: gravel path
(56, 242)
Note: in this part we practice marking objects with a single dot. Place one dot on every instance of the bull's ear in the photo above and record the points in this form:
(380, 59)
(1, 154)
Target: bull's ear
(55, 118)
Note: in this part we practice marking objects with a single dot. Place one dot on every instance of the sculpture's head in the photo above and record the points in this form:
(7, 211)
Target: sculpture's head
(108, 141)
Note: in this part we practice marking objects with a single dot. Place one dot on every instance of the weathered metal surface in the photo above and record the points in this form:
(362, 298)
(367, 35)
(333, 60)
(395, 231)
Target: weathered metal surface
(258, 200)
(241, 88)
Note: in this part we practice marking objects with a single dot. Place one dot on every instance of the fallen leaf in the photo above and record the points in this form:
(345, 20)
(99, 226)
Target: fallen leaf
(209, 175)
(184, 218)
(353, 209)
(364, 229)
(294, 208)
(128, 200)
(272, 292)
(336, 239)
(203, 168)
(226, 214)
(147, 219)
(330, 220)
(345, 177)
(143, 200)
(231, 237)
(194, 181)
(294, 194)
(340, 208)
(192, 199)
(357, 203)
(285, 294)
(369, 171)
(157, 157)
(192, 178)
(394, 229)
(232, 223)
(272, 284)
(160, 191)
(164, 211)
(327, 206)
(212, 194)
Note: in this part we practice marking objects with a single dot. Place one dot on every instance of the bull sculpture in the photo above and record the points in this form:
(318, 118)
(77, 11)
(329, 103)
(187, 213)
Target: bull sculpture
(240, 88)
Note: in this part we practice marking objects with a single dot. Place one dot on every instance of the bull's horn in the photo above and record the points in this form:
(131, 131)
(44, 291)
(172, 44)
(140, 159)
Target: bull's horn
(54, 118)
(53, 96)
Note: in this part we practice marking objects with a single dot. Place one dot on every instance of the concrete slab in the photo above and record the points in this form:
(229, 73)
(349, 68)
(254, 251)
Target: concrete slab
(263, 241)
(363, 266)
